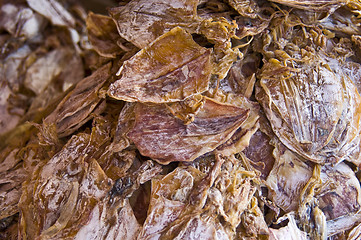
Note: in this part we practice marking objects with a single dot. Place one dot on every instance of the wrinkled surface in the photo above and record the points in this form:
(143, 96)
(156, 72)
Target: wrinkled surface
(207, 119)
(142, 21)
(292, 182)
(164, 138)
(316, 5)
(79, 103)
(170, 69)
(103, 35)
(314, 108)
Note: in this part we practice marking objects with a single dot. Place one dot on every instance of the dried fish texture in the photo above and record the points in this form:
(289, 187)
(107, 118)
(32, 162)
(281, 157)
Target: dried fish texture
(165, 138)
(172, 68)
(241, 77)
(168, 200)
(333, 193)
(50, 197)
(241, 138)
(188, 203)
(53, 11)
(7, 120)
(341, 22)
(12, 174)
(253, 223)
(75, 108)
(70, 196)
(246, 8)
(313, 108)
(290, 232)
(103, 35)
(314, 5)
(54, 64)
(259, 153)
(21, 21)
(340, 198)
(287, 178)
(235, 119)
(142, 21)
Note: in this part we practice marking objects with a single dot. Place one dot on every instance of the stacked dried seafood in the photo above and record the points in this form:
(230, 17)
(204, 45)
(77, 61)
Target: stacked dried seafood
(180, 119)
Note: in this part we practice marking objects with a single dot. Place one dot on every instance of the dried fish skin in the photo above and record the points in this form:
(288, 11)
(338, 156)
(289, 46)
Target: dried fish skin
(12, 174)
(21, 21)
(241, 138)
(188, 202)
(246, 8)
(314, 108)
(142, 21)
(290, 232)
(172, 68)
(53, 64)
(259, 152)
(7, 120)
(169, 198)
(68, 197)
(165, 138)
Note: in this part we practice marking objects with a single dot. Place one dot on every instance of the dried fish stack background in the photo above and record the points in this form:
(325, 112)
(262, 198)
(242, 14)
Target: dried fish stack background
(208, 119)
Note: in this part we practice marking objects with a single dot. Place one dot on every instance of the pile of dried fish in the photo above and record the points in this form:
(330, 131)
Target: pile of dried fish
(197, 119)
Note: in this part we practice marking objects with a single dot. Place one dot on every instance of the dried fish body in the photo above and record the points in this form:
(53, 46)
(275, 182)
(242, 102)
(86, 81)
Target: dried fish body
(241, 138)
(188, 203)
(291, 231)
(85, 197)
(103, 35)
(287, 178)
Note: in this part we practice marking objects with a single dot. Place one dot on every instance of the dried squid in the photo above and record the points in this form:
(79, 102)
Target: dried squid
(175, 119)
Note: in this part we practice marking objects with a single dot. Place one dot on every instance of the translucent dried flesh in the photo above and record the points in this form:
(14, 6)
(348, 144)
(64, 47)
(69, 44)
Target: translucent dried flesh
(142, 21)
(164, 138)
(314, 110)
(338, 200)
(170, 69)
(225, 172)
(318, 5)
(102, 33)
(79, 103)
